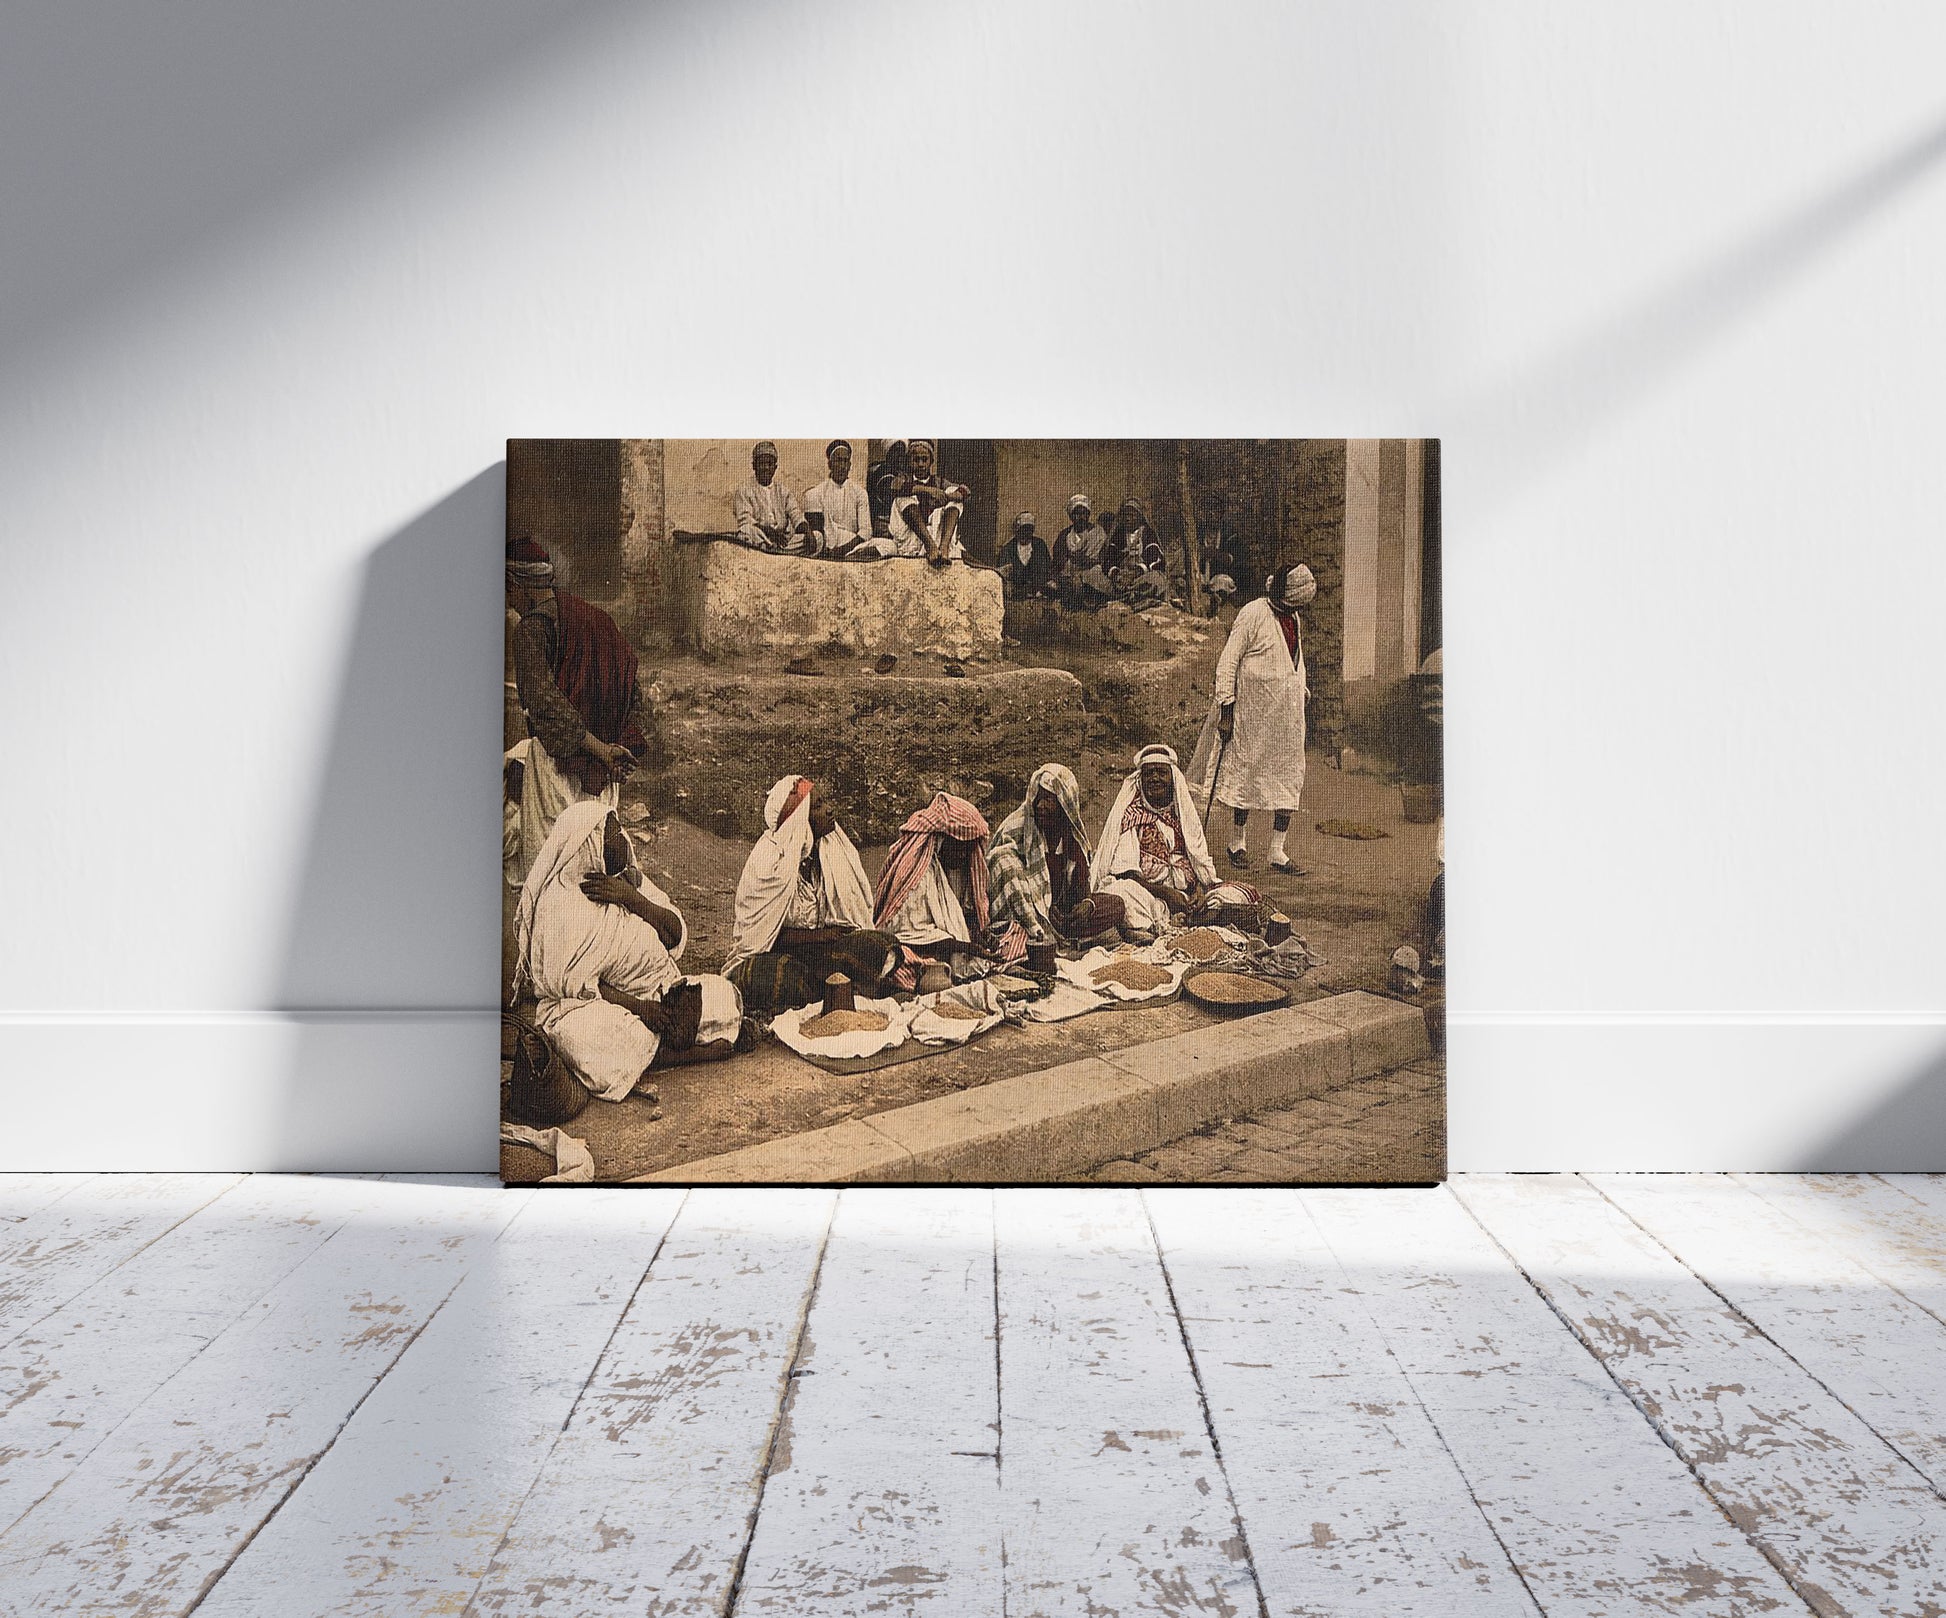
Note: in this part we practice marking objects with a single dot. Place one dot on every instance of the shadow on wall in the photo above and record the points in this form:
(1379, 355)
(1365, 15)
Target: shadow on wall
(1903, 1135)
(1547, 410)
(200, 116)
(392, 956)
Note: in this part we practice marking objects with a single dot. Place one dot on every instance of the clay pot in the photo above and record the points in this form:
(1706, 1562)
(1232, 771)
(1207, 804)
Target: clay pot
(1041, 955)
(935, 978)
(1278, 928)
(838, 994)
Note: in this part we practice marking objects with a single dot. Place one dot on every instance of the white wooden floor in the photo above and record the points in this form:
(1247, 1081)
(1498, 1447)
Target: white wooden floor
(1560, 1395)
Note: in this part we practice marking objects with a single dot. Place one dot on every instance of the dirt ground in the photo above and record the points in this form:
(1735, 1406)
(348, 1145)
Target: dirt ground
(1360, 901)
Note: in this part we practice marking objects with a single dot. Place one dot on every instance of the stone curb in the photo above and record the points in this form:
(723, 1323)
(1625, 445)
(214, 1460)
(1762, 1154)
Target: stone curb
(1062, 1120)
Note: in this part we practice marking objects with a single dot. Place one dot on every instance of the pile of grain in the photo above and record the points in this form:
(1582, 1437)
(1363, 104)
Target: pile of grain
(1013, 985)
(1234, 989)
(1200, 943)
(1132, 975)
(843, 1022)
(957, 1011)
(1356, 830)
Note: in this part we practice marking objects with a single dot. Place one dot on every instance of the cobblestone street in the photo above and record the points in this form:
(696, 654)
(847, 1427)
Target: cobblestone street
(1386, 1127)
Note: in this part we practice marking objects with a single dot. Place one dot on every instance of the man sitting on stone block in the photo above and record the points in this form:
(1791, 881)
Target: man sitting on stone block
(926, 508)
(838, 506)
(768, 517)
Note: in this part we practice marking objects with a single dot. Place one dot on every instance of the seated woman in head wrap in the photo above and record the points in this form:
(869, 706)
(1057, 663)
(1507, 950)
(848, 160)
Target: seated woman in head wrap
(597, 944)
(1134, 559)
(1038, 864)
(804, 908)
(932, 894)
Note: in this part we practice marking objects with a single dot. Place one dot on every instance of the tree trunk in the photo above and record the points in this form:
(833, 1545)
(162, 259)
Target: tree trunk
(1191, 544)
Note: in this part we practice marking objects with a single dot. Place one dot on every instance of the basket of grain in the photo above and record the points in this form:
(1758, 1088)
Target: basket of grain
(1234, 994)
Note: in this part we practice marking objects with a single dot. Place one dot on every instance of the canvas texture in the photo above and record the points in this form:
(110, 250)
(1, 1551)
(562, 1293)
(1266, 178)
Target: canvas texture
(997, 811)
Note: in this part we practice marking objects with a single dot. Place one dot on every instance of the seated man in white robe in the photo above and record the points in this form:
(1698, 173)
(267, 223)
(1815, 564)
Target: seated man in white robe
(768, 517)
(837, 509)
(598, 944)
(927, 508)
(1151, 853)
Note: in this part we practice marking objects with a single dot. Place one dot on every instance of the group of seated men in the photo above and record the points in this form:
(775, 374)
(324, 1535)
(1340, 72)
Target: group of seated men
(599, 943)
(907, 507)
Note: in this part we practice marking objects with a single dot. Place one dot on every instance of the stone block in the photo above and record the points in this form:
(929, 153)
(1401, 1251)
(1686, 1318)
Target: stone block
(1039, 1126)
(851, 1153)
(1384, 1033)
(730, 600)
(1235, 1068)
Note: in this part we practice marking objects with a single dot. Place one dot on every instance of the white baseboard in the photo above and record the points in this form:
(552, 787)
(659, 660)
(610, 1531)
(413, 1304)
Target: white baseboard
(1758, 1092)
(414, 1090)
(372, 1091)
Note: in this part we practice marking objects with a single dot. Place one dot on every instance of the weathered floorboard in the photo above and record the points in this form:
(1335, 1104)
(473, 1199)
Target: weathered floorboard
(1846, 1517)
(403, 1513)
(1893, 1224)
(1111, 1495)
(883, 1494)
(645, 1504)
(1350, 1501)
(165, 1502)
(1874, 1349)
(72, 1378)
(22, 1194)
(1599, 1516)
(63, 1247)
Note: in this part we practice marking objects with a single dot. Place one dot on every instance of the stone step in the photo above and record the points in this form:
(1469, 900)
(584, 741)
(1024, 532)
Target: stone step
(1062, 1121)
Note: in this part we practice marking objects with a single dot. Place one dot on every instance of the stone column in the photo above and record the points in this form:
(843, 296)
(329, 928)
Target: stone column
(1312, 484)
(647, 563)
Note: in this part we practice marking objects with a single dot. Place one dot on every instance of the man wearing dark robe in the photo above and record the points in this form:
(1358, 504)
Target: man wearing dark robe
(575, 674)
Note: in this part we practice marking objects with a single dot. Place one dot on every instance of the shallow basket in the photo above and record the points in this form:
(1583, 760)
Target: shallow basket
(1274, 995)
(542, 1093)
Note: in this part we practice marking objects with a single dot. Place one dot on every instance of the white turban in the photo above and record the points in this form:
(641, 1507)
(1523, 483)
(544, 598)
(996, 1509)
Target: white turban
(1300, 586)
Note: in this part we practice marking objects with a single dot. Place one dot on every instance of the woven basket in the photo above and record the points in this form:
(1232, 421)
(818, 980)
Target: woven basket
(542, 1093)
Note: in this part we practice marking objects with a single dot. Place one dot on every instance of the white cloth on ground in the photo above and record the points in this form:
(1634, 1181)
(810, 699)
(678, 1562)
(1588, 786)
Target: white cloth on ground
(574, 1164)
(768, 897)
(1262, 767)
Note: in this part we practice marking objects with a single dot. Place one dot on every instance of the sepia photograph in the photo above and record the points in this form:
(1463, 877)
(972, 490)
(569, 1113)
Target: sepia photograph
(973, 810)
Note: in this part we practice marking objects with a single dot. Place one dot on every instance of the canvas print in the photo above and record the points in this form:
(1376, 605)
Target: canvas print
(973, 810)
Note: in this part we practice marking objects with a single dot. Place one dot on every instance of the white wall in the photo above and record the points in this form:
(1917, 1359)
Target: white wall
(279, 281)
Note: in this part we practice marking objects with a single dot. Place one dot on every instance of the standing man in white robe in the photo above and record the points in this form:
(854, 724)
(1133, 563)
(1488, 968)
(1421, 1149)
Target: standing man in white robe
(1251, 752)
(841, 504)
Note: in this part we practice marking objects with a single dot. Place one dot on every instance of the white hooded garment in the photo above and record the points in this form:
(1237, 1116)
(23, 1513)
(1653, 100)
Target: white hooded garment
(569, 946)
(769, 885)
(1118, 853)
(1262, 767)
